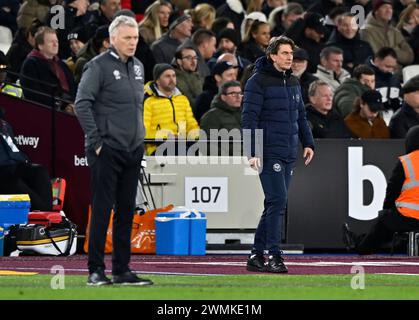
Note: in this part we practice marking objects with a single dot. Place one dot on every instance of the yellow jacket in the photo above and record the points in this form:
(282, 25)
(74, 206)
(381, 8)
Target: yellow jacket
(165, 117)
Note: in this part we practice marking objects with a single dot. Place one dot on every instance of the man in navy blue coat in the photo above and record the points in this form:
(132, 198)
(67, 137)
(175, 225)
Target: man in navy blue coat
(273, 103)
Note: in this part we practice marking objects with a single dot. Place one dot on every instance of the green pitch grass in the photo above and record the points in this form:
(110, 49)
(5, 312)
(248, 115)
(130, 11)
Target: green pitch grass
(243, 287)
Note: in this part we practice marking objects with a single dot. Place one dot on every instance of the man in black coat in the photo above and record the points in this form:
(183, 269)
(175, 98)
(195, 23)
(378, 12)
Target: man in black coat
(408, 115)
(18, 175)
(44, 76)
(347, 38)
(325, 122)
(222, 72)
(299, 69)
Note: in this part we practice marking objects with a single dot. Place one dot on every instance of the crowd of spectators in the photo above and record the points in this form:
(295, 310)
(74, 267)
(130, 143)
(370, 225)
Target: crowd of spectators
(344, 57)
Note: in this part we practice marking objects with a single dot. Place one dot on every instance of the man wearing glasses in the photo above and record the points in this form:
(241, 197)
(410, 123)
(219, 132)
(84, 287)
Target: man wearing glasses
(225, 112)
(189, 82)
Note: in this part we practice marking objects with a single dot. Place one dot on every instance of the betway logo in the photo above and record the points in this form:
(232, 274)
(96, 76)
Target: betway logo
(80, 162)
(357, 173)
(27, 141)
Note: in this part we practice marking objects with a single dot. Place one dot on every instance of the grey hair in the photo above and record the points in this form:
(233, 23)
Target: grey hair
(121, 20)
(312, 89)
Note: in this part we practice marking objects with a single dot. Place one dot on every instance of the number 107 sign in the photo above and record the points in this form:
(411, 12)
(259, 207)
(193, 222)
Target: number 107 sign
(207, 194)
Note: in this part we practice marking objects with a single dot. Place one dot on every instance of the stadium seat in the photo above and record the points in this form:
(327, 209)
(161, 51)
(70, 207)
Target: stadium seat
(413, 242)
(410, 72)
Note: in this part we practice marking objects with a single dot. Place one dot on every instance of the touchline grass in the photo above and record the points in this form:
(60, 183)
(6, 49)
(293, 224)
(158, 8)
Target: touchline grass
(243, 287)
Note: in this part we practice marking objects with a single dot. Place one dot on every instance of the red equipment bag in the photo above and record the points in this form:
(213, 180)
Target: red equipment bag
(44, 218)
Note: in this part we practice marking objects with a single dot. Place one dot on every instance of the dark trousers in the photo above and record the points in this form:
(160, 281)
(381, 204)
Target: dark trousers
(388, 222)
(275, 178)
(115, 175)
(28, 178)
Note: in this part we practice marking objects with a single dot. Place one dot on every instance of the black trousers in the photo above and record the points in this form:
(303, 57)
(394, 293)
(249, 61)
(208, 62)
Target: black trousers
(28, 178)
(388, 222)
(115, 175)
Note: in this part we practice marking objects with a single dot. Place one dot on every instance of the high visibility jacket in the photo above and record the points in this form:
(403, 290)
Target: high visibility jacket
(408, 201)
(164, 116)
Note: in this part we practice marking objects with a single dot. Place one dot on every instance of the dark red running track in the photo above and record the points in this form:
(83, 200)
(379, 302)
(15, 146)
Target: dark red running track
(221, 264)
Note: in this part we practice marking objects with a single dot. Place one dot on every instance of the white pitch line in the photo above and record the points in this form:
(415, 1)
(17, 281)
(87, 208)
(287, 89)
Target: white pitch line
(308, 264)
(400, 274)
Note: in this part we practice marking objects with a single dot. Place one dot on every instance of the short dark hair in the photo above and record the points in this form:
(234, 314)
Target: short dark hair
(385, 52)
(228, 84)
(326, 52)
(179, 50)
(219, 24)
(202, 35)
(275, 43)
(362, 69)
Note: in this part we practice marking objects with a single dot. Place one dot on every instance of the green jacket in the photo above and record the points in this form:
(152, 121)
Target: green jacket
(345, 95)
(190, 84)
(221, 116)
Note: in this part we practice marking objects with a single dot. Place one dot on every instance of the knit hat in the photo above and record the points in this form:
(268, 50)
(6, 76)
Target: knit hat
(230, 34)
(411, 85)
(175, 19)
(373, 99)
(315, 21)
(376, 4)
(78, 34)
(159, 69)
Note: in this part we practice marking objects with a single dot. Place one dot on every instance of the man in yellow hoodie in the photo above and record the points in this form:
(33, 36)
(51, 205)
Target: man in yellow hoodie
(167, 112)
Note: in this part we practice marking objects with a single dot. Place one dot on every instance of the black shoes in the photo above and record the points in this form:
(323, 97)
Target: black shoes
(98, 278)
(348, 238)
(130, 279)
(276, 264)
(256, 263)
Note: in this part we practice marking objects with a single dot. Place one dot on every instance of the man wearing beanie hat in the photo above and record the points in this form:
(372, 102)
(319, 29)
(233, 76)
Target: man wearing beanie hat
(227, 42)
(400, 210)
(167, 112)
(77, 38)
(180, 30)
(96, 45)
(74, 19)
(379, 32)
(408, 115)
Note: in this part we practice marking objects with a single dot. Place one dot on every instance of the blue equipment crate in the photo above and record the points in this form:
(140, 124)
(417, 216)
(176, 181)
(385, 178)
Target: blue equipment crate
(1, 241)
(14, 209)
(180, 233)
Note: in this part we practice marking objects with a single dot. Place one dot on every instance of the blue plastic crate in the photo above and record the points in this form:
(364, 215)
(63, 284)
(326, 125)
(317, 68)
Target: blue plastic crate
(14, 209)
(172, 234)
(1, 241)
(180, 232)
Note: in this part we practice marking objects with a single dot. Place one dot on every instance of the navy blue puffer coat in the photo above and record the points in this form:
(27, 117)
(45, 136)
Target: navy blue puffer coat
(273, 102)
